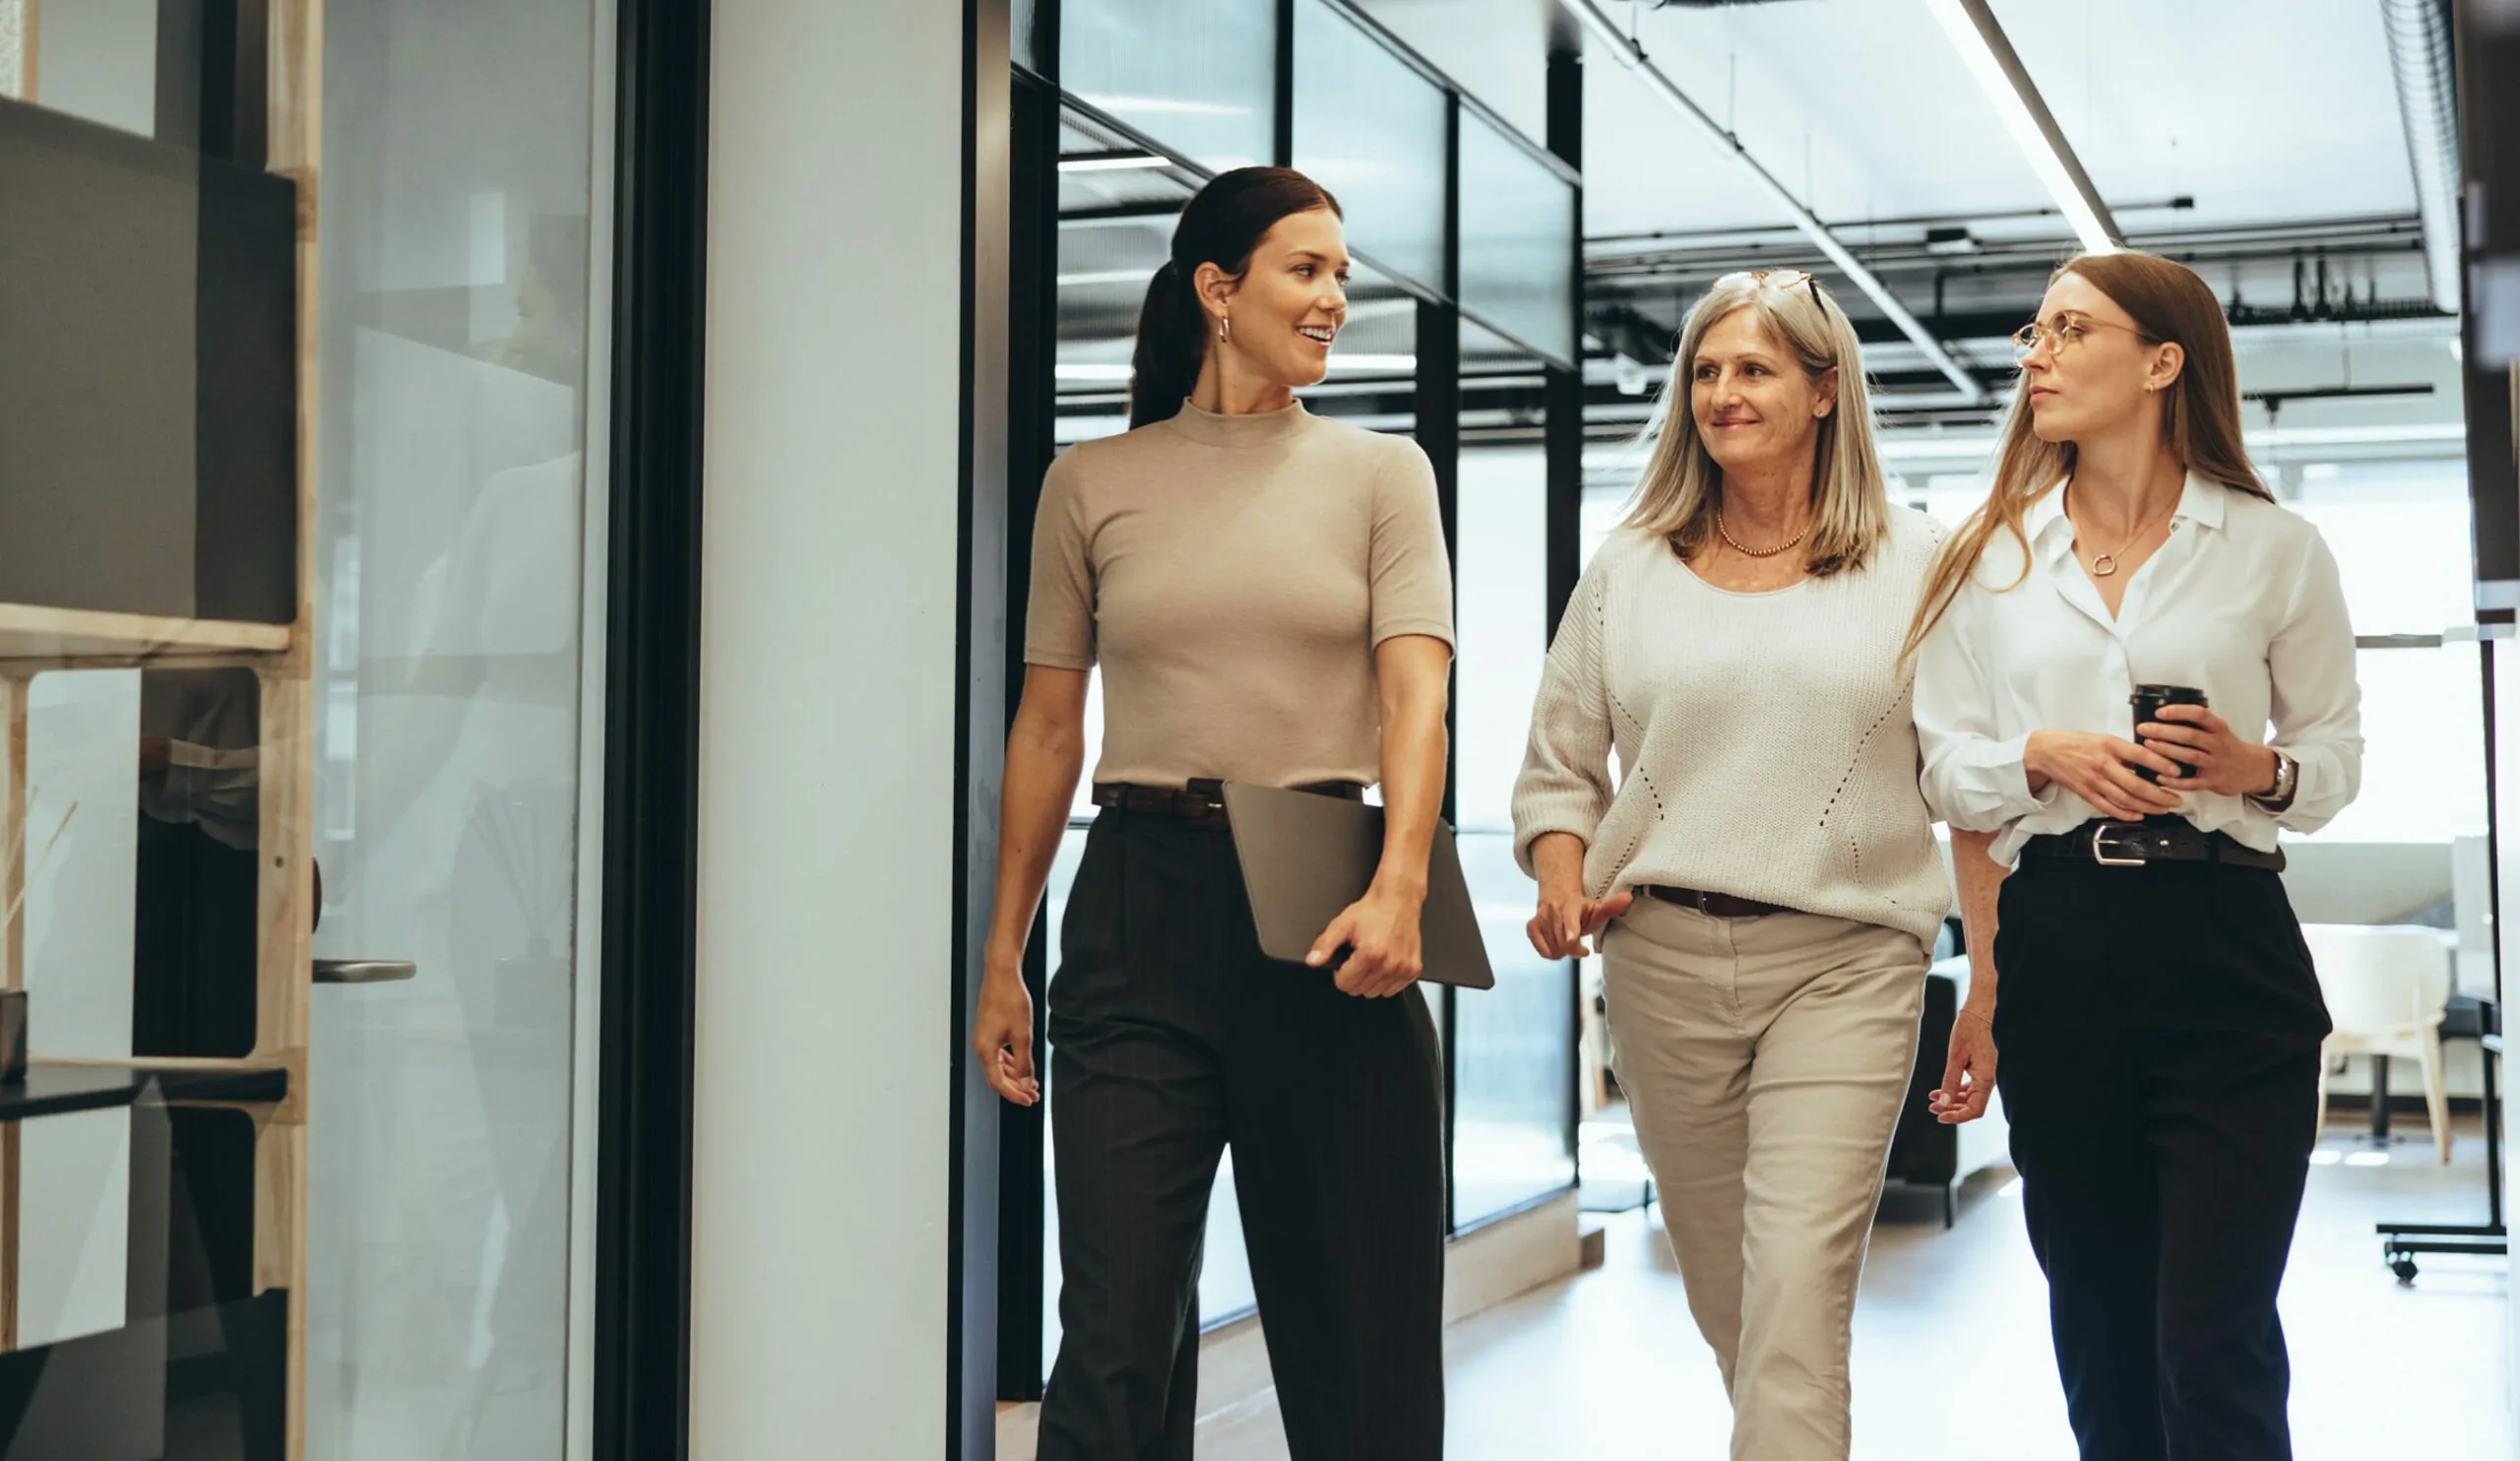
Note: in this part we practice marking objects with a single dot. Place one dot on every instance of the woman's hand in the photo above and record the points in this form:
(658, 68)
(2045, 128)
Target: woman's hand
(1381, 934)
(1567, 917)
(1002, 1037)
(1969, 1075)
(2101, 769)
(2225, 764)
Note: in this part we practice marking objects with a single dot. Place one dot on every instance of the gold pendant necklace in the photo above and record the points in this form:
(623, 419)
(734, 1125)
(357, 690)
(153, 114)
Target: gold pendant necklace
(1751, 552)
(2104, 565)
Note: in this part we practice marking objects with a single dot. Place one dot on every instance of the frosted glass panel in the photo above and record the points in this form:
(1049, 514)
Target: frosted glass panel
(1198, 75)
(1516, 241)
(1371, 130)
(1514, 1067)
(458, 145)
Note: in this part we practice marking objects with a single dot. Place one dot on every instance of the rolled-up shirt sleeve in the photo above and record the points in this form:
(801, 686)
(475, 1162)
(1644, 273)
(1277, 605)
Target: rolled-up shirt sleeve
(1973, 776)
(2315, 702)
(1565, 781)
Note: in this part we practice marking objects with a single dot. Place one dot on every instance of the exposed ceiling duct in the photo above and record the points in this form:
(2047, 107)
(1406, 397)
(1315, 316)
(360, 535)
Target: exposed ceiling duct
(1632, 56)
(2419, 48)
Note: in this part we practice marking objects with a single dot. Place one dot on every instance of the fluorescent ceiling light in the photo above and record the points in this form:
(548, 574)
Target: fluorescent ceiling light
(1902, 446)
(1118, 162)
(1980, 40)
(1084, 372)
(1182, 107)
(1107, 276)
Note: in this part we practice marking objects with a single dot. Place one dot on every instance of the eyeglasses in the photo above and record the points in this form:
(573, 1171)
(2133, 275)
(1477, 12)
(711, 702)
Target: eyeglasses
(2067, 328)
(1775, 278)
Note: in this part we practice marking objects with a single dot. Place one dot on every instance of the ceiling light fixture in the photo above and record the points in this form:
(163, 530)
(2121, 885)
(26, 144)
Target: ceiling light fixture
(1113, 162)
(1355, 362)
(1628, 54)
(1980, 39)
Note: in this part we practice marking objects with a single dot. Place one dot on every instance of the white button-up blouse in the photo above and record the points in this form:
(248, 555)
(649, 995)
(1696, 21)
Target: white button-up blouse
(2242, 602)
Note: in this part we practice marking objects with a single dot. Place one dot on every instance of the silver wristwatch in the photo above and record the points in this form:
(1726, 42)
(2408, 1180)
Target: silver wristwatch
(2287, 779)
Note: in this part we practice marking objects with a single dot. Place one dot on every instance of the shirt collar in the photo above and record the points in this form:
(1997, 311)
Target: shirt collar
(2200, 501)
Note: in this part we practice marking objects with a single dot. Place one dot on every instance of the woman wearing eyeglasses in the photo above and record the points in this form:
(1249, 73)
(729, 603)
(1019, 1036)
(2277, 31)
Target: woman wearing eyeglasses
(1763, 874)
(2158, 1019)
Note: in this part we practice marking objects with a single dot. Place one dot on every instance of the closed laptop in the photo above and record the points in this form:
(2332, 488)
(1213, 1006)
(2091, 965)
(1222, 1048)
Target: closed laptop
(1307, 857)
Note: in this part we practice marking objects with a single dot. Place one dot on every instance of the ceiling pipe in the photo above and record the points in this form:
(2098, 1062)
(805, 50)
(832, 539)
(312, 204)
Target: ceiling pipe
(1980, 40)
(2420, 51)
(1632, 56)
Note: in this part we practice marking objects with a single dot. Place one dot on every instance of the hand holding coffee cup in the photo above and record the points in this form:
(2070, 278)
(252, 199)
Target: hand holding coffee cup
(2217, 759)
(2115, 775)
(2149, 702)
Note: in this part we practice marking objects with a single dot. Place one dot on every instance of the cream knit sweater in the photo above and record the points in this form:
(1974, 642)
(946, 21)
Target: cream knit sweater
(1766, 740)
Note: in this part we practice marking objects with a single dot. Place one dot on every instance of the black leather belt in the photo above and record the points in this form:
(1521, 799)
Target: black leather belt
(1713, 904)
(1202, 800)
(2154, 840)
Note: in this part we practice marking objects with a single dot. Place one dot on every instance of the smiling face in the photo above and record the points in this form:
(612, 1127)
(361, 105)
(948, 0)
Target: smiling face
(2094, 372)
(1289, 303)
(1755, 405)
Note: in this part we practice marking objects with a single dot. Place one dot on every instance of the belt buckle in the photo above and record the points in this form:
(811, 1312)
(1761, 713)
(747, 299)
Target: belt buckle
(1698, 897)
(2099, 844)
(1207, 793)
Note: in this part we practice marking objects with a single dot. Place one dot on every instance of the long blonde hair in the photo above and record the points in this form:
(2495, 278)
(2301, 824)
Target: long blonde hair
(2200, 419)
(1682, 487)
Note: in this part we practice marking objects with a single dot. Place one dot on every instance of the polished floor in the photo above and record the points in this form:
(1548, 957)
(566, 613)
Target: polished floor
(1952, 1358)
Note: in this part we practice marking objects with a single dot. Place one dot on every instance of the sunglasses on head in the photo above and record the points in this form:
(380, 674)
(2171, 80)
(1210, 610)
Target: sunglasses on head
(1774, 279)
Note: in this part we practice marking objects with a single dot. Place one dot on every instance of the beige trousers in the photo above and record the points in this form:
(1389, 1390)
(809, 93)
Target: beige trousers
(1764, 1061)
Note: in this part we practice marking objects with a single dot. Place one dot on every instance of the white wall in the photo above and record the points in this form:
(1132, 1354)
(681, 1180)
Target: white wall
(827, 729)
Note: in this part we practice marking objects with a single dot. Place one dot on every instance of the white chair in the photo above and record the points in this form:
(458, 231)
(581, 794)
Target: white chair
(2386, 989)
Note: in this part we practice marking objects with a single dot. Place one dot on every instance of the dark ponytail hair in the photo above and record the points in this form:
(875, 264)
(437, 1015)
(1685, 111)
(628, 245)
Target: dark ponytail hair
(1220, 225)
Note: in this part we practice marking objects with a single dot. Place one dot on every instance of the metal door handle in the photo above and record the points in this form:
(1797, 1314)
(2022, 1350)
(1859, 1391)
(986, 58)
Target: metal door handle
(364, 970)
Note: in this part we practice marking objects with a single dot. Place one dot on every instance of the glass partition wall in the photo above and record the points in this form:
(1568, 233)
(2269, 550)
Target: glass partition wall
(394, 443)
(1135, 103)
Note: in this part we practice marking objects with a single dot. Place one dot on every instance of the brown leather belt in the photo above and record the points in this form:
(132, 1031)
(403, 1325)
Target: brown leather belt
(1713, 904)
(2154, 840)
(1202, 800)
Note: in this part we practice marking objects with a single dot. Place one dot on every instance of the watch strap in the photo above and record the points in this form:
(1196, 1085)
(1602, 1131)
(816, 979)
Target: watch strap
(2288, 782)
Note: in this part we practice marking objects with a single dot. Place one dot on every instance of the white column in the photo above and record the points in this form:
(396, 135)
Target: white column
(825, 1060)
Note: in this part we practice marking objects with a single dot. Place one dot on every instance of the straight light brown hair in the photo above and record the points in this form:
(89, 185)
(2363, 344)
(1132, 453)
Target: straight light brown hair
(2200, 419)
(1682, 487)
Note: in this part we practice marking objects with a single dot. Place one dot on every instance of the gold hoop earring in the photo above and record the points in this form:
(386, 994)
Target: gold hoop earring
(1225, 328)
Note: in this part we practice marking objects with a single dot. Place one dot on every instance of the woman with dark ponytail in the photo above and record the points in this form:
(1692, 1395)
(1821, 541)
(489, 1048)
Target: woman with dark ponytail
(1268, 596)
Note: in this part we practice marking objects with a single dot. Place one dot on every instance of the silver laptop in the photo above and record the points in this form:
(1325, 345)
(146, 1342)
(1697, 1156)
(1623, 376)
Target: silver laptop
(1307, 857)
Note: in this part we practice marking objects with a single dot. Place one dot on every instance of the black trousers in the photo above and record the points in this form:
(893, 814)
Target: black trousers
(1170, 1036)
(2159, 1030)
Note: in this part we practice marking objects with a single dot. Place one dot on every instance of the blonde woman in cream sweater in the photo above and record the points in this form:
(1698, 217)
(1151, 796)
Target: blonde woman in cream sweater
(1763, 874)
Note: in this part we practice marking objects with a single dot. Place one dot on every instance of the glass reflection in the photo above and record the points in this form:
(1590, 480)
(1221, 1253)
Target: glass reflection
(458, 148)
(1516, 241)
(1195, 75)
(1371, 130)
(1514, 1071)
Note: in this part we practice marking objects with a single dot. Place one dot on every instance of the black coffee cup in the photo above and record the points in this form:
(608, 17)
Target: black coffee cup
(2148, 701)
